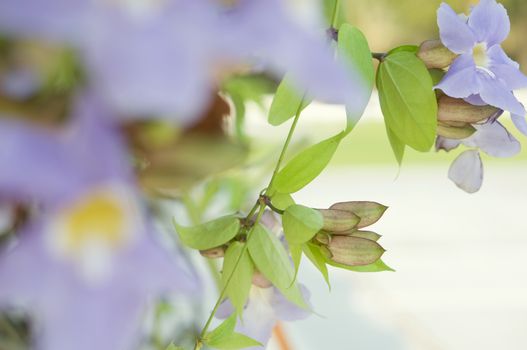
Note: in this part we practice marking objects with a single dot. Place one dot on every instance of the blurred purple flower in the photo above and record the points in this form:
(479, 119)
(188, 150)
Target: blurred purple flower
(87, 261)
(482, 68)
(265, 307)
(467, 169)
(158, 57)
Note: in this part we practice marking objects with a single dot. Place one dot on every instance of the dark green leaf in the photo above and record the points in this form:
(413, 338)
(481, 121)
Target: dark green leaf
(209, 235)
(408, 101)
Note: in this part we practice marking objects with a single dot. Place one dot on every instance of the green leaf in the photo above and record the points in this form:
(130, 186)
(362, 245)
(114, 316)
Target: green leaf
(235, 341)
(329, 9)
(301, 223)
(306, 166)
(286, 102)
(240, 283)
(318, 259)
(282, 200)
(398, 147)
(408, 100)
(296, 256)
(222, 332)
(378, 266)
(405, 48)
(271, 259)
(210, 234)
(353, 48)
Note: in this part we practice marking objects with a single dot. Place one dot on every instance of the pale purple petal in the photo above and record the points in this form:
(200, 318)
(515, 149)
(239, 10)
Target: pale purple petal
(490, 22)
(494, 139)
(34, 163)
(455, 33)
(46, 19)
(286, 310)
(520, 123)
(442, 143)
(475, 100)
(506, 69)
(497, 94)
(467, 171)
(461, 79)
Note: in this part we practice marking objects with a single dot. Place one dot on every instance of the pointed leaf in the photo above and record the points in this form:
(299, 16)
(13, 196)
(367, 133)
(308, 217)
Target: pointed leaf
(306, 166)
(282, 200)
(408, 101)
(314, 254)
(286, 102)
(223, 331)
(301, 223)
(210, 234)
(296, 256)
(240, 284)
(235, 341)
(271, 259)
(378, 266)
(353, 48)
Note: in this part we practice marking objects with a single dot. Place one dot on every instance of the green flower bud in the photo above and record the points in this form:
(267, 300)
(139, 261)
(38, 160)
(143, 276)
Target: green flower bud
(435, 55)
(369, 212)
(338, 220)
(458, 110)
(455, 132)
(354, 251)
(213, 253)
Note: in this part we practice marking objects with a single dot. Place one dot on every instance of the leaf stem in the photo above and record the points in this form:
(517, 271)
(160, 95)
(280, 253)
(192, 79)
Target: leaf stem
(199, 342)
(286, 145)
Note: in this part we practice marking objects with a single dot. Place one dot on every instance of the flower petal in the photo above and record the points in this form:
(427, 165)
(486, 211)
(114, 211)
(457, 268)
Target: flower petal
(506, 69)
(461, 79)
(442, 143)
(490, 22)
(497, 94)
(455, 34)
(520, 123)
(47, 19)
(467, 171)
(494, 139)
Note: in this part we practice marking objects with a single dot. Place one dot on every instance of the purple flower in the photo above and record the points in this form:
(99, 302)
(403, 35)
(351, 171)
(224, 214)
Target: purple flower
(482, 67)
(160, 57)
(265, 307)
(467, 169)
(87, 261)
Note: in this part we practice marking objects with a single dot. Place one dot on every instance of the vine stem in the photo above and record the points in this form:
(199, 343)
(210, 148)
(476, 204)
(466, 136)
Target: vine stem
(199, 342)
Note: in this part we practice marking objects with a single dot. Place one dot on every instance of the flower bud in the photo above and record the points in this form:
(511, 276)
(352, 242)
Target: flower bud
(435, 55)
(260, 280)
(338, 220)
(455, 132)
(354, 251)
(323, 237)
(213, 253)
(369, 212)
(458, 110)
(372, 236)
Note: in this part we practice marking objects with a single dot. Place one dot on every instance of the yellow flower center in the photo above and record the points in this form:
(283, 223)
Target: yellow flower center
(92, 229)
(479, 53)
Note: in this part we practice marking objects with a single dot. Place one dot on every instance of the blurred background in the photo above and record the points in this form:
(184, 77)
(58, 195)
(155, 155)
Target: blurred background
(460, 281)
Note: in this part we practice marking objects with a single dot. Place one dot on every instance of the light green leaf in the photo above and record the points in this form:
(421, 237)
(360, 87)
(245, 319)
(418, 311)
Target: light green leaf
(314, 254)
(282, 200)
(286, 102)
(408, 100)
(271, 259)
(210, 234)
(222, 332)
(405, 48)
(398, 147)
(296, 256)
(301, 223)
(240, 284)
(306, 166)
(378, 266)
(353, 48)
(235, 341)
